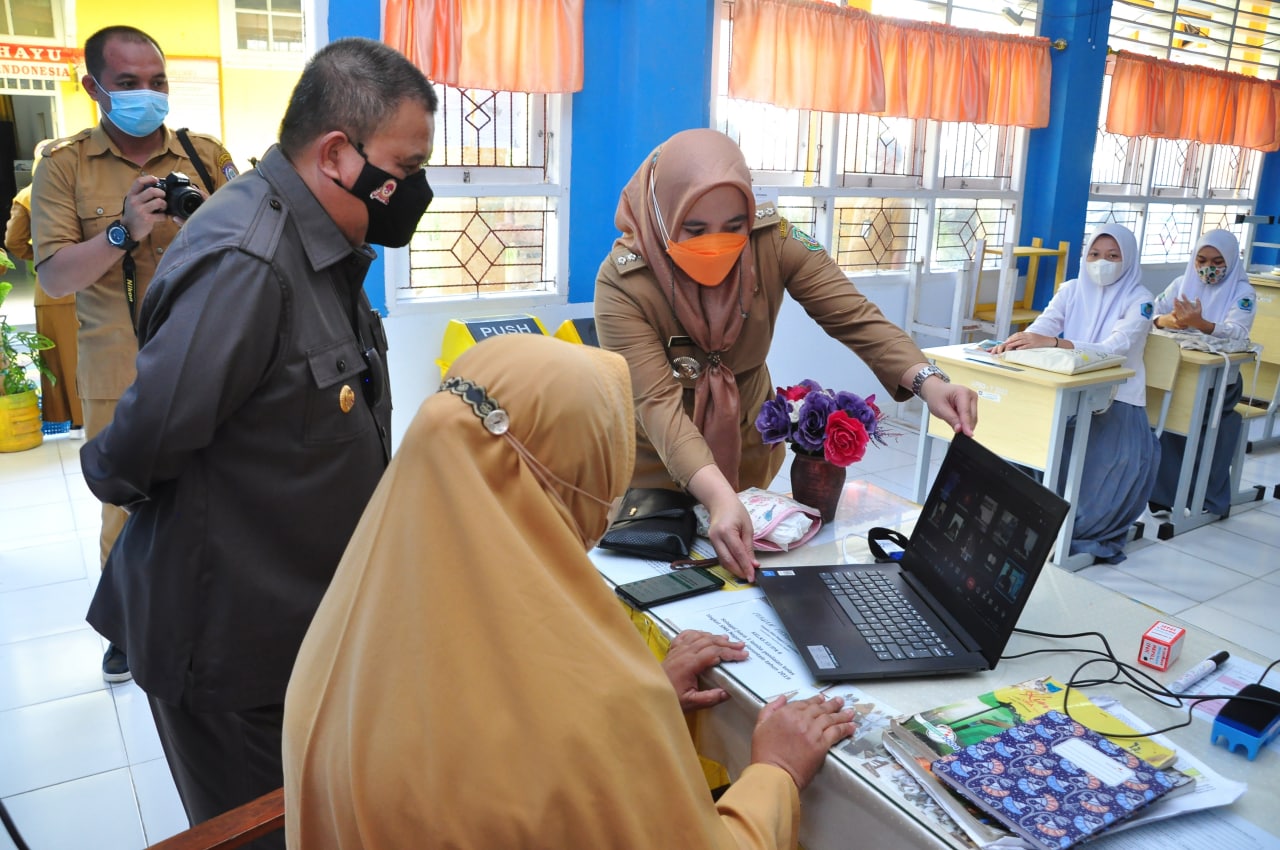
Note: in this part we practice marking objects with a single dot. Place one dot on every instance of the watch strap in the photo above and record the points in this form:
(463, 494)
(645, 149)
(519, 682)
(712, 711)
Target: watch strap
(129, 242)
(917, 383)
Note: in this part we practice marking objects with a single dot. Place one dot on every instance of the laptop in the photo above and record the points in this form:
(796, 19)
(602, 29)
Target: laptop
(951, 603)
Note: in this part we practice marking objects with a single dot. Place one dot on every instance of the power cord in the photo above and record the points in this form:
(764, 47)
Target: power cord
(12, 828)
(1128, 676)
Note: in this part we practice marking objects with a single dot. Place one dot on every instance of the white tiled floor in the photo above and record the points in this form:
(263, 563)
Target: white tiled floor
(80, 762)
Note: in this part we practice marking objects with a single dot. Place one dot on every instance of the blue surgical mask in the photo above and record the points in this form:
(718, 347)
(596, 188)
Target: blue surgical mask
(137, 112)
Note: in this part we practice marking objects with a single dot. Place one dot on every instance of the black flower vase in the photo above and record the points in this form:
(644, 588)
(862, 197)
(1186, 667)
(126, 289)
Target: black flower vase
(818, 483)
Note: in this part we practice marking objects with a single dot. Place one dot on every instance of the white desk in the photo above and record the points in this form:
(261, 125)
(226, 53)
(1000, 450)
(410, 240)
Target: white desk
(1022, 416)
(852, 796)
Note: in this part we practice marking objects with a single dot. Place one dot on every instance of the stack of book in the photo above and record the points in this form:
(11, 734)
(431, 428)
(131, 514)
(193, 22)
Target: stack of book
(1022, 767)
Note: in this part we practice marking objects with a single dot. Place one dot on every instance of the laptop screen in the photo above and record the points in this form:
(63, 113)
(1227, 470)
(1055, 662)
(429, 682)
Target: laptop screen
(983, 536)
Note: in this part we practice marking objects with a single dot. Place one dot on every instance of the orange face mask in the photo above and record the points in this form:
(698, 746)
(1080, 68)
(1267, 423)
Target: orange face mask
(708, 258)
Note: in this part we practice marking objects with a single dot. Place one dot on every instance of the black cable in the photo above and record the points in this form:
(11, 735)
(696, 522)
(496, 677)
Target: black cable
(1270, 667)
(11, 828)
(1129, 676)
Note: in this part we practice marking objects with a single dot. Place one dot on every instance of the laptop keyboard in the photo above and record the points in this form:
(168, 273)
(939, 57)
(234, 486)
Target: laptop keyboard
(886, 619)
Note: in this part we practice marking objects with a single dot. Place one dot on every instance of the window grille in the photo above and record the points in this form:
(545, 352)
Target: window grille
(882, 192)
(493, 229)
(1243, 38)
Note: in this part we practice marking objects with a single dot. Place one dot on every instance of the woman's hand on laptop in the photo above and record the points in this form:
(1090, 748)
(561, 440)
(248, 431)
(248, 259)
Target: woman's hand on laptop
(693, 652)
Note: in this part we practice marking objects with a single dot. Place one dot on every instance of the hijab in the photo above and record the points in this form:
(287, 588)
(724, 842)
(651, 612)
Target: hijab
(469, 680)
(1217, 299)
(1097, 308)
(675, 176)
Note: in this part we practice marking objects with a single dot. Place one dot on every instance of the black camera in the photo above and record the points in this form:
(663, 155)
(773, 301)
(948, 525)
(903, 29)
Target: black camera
(181, 198)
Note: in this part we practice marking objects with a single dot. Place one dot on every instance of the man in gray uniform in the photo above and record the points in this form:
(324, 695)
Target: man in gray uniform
(259, 422)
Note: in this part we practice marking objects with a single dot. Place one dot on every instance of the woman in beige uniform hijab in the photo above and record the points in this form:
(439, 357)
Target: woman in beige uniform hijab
(470, 681)
(690, 295)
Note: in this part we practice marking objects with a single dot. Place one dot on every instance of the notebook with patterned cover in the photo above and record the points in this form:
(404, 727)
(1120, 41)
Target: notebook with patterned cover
(1055, 782)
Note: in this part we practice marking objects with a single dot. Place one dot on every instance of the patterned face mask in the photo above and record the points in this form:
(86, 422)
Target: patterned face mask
(1211, 274)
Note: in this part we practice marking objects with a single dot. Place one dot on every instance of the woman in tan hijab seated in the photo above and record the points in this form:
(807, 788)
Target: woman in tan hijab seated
(690, 295)
(469, 679)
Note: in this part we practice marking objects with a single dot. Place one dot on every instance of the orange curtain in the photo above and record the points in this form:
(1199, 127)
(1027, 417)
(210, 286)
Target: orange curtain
(808, 55)
(1169, 100)
(529, 46)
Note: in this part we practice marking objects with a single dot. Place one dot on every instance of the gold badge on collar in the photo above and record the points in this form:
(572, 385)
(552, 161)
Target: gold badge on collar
(346, 399)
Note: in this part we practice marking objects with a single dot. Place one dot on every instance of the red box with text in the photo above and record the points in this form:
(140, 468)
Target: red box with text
(1161, 645)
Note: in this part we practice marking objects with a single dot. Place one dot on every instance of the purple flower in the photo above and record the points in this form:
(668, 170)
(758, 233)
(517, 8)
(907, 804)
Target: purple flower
(774, 421)
(811, 429)
(826, 423)
(857, 407)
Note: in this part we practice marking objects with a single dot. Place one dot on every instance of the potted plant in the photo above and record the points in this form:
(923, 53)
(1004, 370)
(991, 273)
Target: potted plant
(21, 364)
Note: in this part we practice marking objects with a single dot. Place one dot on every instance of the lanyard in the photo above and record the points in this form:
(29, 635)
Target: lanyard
(130, 288)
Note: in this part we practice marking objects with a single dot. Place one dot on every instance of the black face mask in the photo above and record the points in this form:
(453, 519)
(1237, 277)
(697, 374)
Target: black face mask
(395, 204)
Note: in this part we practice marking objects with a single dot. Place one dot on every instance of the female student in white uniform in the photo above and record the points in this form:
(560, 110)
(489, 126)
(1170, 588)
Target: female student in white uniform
(1106, 309)
(1214, 297)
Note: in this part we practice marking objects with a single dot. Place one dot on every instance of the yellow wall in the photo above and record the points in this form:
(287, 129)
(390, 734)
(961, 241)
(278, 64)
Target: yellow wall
(253, 99)
(253, 102)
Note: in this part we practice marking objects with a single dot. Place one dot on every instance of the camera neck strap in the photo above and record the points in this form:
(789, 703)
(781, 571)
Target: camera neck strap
(205, 177)
(130, 288)
(130, 265)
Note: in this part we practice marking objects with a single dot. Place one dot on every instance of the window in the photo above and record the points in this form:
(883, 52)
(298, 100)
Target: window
(882, 193)
(265, 33)
(494, 228)
(1169, 191)
(269, 25)
(29, 18)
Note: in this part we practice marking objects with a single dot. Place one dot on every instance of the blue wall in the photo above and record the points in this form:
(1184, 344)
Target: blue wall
(362, 18)
(1059, 157)
(648, 76)
(1268, 204)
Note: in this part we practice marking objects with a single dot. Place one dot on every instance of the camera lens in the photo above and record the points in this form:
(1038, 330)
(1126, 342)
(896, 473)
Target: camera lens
(184, 201)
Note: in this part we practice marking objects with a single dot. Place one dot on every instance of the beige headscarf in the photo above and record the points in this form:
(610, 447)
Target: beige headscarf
(677, 174)
(469, 680)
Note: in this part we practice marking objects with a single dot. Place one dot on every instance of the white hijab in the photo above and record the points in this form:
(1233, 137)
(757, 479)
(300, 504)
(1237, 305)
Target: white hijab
(1097, 308)
(1216, 299)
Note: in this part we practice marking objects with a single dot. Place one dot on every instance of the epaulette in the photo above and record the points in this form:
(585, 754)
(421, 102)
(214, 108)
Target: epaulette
(626, 260)
(67, 141)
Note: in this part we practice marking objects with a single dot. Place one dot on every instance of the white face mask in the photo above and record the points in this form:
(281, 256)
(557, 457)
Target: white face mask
(1104, 272)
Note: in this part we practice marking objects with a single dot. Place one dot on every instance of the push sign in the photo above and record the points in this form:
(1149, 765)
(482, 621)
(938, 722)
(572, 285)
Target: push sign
(482, 329)
(461, 334)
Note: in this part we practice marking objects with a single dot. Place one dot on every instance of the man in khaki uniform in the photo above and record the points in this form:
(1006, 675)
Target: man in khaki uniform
(55, 318)
(96, 211)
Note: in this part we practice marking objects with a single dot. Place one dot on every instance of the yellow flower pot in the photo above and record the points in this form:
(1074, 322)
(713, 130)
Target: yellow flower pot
(20, 422)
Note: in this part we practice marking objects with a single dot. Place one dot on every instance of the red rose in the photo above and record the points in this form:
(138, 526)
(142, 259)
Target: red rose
(871, 403)
(846, 440)
(795, 393)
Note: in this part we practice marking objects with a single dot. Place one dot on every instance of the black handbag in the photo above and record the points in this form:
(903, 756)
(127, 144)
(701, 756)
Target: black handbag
(653, 523)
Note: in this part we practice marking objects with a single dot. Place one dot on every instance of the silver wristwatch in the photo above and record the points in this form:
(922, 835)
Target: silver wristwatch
(924, 374)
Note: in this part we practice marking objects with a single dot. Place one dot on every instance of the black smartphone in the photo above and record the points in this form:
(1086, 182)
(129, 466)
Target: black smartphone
(669, 587)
